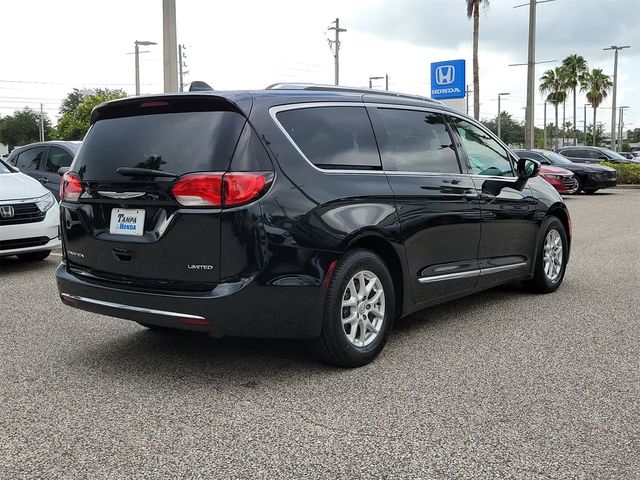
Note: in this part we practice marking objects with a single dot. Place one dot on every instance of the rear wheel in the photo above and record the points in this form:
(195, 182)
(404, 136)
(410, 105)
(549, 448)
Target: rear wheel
(34, 256)
(551, 262)
(359, 311)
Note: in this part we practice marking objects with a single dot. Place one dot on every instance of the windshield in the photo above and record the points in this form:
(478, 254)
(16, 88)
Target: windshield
(555, 157)
(4, 168)
(611, 154)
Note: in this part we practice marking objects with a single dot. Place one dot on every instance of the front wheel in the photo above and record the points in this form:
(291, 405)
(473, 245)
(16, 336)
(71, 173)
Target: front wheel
(551, 261)
(359, 311)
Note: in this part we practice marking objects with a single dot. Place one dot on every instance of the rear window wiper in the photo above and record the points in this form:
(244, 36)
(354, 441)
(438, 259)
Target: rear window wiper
(143, 172)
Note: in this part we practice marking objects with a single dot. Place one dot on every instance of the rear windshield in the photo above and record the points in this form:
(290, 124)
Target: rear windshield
(172, 142)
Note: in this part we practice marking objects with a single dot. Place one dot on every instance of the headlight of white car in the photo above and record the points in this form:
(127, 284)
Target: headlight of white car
(45, 202)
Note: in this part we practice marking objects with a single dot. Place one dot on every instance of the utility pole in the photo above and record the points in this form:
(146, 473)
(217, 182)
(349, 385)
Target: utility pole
(529, 133)
(386, 81)
(41, 123)
(169, 46)
(544, 126)
(466, 96)
(336, 51)
(615, 49)
(136, 54)
(499, 120)
(585, 124)
(181, 63)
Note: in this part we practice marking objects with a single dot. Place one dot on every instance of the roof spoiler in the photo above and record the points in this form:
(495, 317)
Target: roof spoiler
(199, 86)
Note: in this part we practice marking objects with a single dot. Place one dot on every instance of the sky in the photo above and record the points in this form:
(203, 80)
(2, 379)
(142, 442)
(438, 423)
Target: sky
(49, 47)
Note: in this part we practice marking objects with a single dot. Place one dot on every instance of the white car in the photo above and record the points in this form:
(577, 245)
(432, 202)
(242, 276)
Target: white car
(29, 216)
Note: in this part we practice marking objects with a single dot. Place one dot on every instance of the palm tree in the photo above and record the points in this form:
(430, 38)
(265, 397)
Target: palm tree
(597, 85)
(574, 66)
(473, 10)
(553, 84)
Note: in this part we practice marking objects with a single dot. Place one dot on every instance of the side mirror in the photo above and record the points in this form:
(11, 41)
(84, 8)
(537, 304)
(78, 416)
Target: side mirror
(527, 169)
(63, 170)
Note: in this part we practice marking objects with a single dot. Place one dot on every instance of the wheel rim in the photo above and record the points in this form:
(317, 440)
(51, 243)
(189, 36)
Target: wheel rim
(552, 255)
(362, 309)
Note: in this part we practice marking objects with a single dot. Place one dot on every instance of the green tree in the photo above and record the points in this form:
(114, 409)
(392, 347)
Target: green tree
(553, 84)
(473, 10)
(23, 127)
(73, 124)
(596, 84)
(599, 139)
(575, 67)
(512, 132)
(71, 101)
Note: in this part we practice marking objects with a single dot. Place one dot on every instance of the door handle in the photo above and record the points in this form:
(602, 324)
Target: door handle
(43, 180)
(471, 195)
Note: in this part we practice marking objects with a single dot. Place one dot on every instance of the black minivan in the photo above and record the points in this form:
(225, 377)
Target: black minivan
(299, 211)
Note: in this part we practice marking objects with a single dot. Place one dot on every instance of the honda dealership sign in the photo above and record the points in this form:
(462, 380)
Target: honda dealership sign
(448, 79)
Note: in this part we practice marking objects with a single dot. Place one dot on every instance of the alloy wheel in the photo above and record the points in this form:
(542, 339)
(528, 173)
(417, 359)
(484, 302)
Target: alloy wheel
(362, 309)
(552, 255)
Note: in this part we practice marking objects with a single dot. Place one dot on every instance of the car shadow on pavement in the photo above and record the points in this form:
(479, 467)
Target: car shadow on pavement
(180, 355)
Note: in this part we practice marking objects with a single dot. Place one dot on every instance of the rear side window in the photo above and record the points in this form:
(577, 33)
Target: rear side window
(58, 158)
(415, 141)
(575, 153)
(333, 137)
(179, 143)
(30, 159)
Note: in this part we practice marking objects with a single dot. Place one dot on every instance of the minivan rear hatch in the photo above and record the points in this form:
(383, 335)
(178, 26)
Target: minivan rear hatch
(120, 217)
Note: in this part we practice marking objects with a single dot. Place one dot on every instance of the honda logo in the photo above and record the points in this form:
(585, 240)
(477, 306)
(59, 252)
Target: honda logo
(445, 75)
(7, 211)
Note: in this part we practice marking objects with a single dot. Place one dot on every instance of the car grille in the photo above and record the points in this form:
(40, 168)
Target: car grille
(23, 243)
(23, 213)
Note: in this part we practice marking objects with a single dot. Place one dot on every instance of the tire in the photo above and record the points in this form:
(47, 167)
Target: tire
(542, 281)
(579, 187)
(34, 256)
(356, 343)
(591, 191)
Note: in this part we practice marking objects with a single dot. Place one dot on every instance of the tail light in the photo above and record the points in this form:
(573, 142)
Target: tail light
(220, 189)
(70, 187)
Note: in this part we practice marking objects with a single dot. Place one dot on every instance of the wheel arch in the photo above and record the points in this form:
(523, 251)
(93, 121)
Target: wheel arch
(391, 257)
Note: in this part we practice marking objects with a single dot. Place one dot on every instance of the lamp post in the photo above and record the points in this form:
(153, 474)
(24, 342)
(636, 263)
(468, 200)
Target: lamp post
(373, 78)
(137, 44)
(585, 122)
(621, 125)
(500, 95)
(615, 49)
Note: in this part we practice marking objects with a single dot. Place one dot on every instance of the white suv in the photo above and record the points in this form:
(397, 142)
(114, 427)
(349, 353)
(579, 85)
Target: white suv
(29, 216)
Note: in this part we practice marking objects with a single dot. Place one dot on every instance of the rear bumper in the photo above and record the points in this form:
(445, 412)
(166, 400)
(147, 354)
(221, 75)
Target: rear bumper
(244, 308)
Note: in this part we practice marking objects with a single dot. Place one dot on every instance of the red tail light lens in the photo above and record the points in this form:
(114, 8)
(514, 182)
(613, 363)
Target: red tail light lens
(70, 187)
(199, 190)
(242, 187)
(220, 190)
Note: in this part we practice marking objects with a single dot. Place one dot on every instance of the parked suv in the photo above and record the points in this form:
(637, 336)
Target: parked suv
(593, 155)
(299, 211)
(42, 161)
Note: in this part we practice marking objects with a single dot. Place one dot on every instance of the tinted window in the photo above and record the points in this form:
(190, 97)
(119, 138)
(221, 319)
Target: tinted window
(574, 153)
(531, 156)
(30, 159)
(333, 137)
(486, 155)
(58, 158)
(415, 141)
(173, 142)
(593, 154)
(556, 158)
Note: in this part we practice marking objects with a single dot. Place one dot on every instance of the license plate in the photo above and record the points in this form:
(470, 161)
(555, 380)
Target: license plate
(127, 222)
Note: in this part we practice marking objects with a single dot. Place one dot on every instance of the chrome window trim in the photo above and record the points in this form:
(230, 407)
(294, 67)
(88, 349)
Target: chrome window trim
(273, 112)
(25, 200)
(130, 307)
(471, 273)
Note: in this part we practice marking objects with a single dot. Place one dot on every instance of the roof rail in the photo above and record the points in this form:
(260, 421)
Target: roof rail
(337, 88)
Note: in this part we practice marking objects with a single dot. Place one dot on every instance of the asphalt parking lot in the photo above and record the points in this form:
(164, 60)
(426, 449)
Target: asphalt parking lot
(504, 384)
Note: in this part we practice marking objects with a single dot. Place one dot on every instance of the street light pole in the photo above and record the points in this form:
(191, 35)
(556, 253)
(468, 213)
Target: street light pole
(386, 81)
(615, 49)
(499, 122)
(621, 125)
(136, 54)
(169, 46)
(544, 126)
